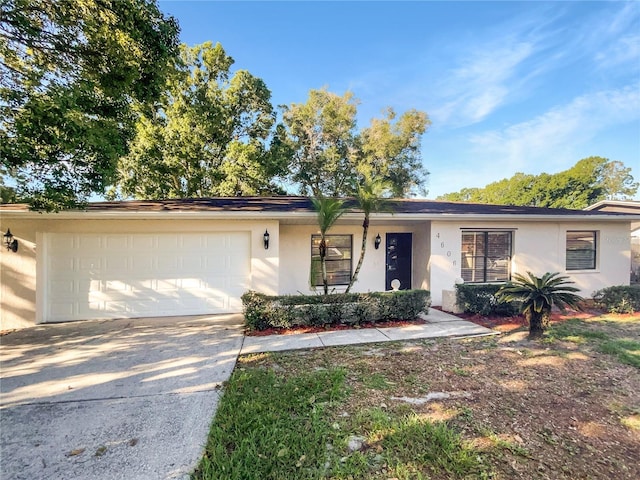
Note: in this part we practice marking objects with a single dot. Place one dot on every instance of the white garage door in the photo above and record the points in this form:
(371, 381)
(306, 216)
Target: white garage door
(91, 276)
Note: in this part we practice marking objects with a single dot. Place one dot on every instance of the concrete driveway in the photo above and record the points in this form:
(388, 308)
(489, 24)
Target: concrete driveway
(118, 399)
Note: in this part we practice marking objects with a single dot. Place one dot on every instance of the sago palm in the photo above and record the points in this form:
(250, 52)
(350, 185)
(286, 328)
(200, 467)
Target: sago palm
(329, 210)
(538, 295)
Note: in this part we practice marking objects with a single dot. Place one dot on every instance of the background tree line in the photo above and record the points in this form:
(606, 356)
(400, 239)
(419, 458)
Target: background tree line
(98, 97)
(590, 180)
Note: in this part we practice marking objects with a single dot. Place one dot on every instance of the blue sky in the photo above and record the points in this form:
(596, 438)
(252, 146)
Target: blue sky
(509, 86)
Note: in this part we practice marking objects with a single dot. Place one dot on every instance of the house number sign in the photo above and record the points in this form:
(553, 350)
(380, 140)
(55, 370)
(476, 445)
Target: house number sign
(448, 253)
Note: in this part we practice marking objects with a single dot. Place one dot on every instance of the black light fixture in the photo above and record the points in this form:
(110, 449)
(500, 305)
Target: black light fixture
(10, 242)
(377, 242)
(266, 239)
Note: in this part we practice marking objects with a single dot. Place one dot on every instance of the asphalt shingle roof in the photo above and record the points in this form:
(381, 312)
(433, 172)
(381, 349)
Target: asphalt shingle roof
(284, 204)
(303, 204)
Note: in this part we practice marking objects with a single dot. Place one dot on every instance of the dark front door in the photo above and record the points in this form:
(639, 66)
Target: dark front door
(398, 260)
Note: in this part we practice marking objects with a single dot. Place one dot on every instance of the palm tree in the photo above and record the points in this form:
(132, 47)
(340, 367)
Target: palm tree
(538, 295)
(329, 211)
(369, 197)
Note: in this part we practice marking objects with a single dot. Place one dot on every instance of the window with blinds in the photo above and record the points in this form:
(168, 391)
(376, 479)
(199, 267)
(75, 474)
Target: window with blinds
(486, 256)
(337, 261)
(581, 250)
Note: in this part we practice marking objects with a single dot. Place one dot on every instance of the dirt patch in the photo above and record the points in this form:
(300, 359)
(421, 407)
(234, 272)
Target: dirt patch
(535, 409)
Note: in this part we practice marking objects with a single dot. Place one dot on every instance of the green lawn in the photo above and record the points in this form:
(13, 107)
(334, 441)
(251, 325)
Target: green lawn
(564, 407)
(270, 427)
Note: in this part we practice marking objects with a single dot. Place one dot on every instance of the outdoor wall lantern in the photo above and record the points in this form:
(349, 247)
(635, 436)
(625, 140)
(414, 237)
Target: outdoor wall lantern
(377, 242)
(10, 242)
(266, 240)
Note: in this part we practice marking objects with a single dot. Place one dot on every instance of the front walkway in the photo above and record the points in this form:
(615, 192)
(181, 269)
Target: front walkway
(439, 324)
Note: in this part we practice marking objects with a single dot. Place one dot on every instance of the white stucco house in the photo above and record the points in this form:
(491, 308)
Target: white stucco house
(197, 256)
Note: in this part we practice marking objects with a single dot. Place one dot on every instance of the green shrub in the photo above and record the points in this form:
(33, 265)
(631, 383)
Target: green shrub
(286, 311)
(618, 299)
(403, 304)
(255, 316)
(481, 299)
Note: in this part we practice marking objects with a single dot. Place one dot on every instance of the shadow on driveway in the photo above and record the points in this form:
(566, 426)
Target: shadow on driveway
(117, 399)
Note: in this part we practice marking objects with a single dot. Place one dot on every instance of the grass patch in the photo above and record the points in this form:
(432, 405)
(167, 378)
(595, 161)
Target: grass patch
(277, 426)
(461, 371)
(632, 422)
(270, 427)
(377, 381)
(577, 331)
(421, 448)
(606, 335)
(627, 351)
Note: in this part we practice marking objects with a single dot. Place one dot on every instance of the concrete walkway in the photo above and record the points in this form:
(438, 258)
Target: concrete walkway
(439, 324)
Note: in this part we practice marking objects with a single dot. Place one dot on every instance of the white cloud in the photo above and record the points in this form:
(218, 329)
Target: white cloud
(609, 37)
(623, 19)
(474, 91)
(503, 68)
(535, 143)
(625, 50)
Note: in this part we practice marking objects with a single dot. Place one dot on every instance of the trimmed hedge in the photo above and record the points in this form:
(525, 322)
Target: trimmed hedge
(286, 311)
(481, 299)
(618, 299)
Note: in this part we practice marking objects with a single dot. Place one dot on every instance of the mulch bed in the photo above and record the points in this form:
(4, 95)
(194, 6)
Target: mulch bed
(507, 324)
(332, 328)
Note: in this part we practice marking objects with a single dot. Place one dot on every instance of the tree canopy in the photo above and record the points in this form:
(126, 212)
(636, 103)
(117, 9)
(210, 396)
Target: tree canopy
(209, 135)
(590, 180)
(71, 72)
(329, 156)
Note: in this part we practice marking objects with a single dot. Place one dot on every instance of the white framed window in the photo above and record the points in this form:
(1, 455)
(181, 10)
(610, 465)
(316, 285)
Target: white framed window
(581, 249)
(338, 260)
(486, 256)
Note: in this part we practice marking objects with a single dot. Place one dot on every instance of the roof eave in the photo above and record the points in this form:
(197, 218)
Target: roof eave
(303, 215)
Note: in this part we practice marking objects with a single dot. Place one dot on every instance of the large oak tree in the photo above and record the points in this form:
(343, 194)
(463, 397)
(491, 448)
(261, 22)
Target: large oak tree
(71, 71)
(211, 134)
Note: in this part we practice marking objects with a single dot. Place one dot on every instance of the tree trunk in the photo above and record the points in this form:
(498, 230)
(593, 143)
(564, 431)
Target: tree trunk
(365, 230)
(536, 324)
(323, 265)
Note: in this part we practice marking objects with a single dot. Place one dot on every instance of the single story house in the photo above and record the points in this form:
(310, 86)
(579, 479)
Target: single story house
(198, 256)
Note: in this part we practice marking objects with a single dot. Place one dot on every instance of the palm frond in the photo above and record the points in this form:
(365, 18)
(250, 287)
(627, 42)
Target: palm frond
(329, 210)
(539, 294)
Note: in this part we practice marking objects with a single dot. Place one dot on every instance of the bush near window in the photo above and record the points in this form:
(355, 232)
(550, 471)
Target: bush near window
(287, 311)
(618, 299)
(481, 299)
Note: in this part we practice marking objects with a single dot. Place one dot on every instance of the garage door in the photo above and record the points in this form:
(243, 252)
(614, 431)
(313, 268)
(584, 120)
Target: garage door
(90, 276)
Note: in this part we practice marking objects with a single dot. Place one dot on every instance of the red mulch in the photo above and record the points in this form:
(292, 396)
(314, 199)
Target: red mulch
(332, 328)
(507, 324)
(495, 322)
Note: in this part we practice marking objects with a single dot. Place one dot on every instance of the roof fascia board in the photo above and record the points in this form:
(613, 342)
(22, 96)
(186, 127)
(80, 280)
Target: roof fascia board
(617, 203)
